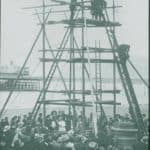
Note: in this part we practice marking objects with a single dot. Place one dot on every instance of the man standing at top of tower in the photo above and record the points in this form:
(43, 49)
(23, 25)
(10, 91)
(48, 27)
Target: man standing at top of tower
(72, 8)
(97, 7)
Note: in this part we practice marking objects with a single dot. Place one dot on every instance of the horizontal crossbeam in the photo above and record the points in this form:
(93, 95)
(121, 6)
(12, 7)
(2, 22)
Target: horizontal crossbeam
(80, 21)
(91, 49)
(65, 104)
(79, 60)
(88, 92)
(77, 103)
(12, 77)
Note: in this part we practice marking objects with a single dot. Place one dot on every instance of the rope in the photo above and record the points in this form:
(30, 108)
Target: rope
(145, 83)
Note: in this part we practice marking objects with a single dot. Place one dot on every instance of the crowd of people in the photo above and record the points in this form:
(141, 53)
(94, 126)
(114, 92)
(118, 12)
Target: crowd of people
(57, 132)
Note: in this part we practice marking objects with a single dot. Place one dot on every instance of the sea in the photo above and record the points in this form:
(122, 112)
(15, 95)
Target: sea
(23, 104)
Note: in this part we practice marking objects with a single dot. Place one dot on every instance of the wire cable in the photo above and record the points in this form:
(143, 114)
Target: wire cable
(145, 83)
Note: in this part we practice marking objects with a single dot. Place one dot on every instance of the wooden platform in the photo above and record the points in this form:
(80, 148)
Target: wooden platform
(79, 60)
(108, 103)
(85, 60)
(87, 92)
(66, 103)
(75, 50)
(101, 50)
(80, 22)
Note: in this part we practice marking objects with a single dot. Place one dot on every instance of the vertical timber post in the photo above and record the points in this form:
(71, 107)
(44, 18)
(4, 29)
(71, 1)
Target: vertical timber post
(43, 65)
(83, 73)
(72, 66)
(114, 66)
(0, 34)
(96, 86)
(100, 78)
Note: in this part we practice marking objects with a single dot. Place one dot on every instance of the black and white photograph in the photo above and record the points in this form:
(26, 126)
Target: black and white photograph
(74, 75)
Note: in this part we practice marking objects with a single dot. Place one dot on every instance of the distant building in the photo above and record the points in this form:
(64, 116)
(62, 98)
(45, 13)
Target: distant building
(13, 70)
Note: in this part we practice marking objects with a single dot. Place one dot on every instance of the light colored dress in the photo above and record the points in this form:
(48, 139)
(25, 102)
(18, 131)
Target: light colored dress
(62, 126)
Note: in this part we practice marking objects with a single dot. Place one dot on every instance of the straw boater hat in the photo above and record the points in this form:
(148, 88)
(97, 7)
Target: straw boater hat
(92, 145)
(70, 132)
(6, 128)
(63, 138)
(144, 139)
(69, 145)
(110, 147)
(20, 124)
(39, 137)
(83, 139)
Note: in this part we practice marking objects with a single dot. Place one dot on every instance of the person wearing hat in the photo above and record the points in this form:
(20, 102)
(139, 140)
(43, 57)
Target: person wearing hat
(54, 113)
(142, 144)
(25, 136)
(6, 137)
(69, 146)
(6, 128)
(40, 120)
(123, 53)
(71, 133)
(80, 125)
(17, 142)
(39, 143)
(3, 144)
(8, 133)
(53, 125)
(144, 140)
(93, 146)
(6, 122)
(72, 8)
(92, 9)
(47, 141)
(63, 138)
(61, 125)
(110, 147)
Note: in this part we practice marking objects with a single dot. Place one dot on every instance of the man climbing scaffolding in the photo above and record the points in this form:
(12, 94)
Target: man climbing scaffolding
(123, 52)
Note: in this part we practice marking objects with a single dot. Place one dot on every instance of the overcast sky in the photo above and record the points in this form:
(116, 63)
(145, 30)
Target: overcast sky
(19, 29)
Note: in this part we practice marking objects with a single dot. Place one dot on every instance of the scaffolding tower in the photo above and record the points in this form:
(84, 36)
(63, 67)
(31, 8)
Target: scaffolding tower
(87, 57)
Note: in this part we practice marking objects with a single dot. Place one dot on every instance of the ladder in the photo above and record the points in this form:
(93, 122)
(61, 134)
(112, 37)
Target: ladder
(134, 108)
